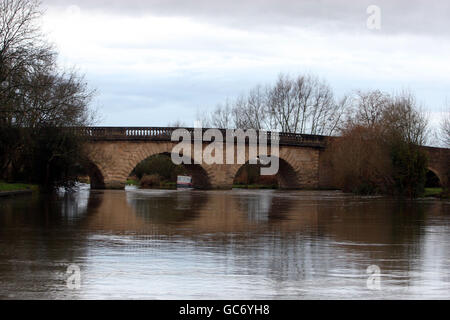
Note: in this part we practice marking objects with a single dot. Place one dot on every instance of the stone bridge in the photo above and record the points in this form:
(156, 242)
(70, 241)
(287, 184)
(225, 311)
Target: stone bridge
(116, 151)
(439, 163)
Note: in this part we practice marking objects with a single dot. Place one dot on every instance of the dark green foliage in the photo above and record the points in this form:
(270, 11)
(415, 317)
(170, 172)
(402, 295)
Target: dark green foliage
(9, 143)
(49, 157)
(160, 165)
(446, 183)
(366, 188)
(56, 158)
(409, 170)
(150, 181)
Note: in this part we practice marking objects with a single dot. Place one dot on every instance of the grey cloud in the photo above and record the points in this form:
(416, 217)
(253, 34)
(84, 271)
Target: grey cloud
(402, 16)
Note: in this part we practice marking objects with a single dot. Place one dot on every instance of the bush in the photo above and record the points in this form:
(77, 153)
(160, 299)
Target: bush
(150, 181)
(365, 163)
(49, 157)
(361, 161)
(409, 170)
(379, 151)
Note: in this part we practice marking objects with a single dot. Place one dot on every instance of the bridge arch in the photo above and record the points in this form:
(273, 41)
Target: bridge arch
(433, 174)
(96, 177)
(438, 160)
(287, 177)
(89, 169)
(199, 175)
(298, 167)
(118, 159)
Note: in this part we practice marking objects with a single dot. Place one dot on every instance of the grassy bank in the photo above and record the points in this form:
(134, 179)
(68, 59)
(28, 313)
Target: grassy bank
(160, 185)
(254, 186)
(433, 192)
(132, 182)
(4, 187)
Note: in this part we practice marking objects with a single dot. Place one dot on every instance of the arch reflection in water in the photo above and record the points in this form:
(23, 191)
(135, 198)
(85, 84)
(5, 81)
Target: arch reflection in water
(166, 207)
(215, 244)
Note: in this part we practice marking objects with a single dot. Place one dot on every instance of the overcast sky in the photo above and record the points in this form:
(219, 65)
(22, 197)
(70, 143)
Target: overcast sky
(154, 62)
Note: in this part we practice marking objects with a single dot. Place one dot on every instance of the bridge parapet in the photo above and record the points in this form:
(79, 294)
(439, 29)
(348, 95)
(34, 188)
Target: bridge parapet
(165, 133)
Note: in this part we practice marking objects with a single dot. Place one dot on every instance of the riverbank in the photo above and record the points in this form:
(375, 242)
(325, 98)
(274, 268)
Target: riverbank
(255, 186)
(436, 193)
(164, 185)
(13, 189)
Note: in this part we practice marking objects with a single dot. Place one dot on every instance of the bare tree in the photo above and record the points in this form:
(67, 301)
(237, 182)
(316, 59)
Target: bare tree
(222, 117)
(397, 117)
(56, 99)
(445, 129)
(204, 118)
(403, 118)
(245, 112)
(280, 104)
(33, 90)
(322, 109)
(256, 115)
(24, 52)
(37, 99)
(304, 105)
(177, 124)
(249, 112)
(369, 106)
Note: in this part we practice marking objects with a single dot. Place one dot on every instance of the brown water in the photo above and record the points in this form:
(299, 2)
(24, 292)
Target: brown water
(144, 244)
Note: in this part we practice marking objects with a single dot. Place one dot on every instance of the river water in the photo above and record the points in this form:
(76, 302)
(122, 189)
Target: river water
(237, 244)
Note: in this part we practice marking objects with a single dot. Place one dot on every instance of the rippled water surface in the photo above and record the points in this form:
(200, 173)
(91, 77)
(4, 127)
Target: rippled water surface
(239, 244)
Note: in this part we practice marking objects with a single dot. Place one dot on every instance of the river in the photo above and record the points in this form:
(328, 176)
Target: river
(237, 244)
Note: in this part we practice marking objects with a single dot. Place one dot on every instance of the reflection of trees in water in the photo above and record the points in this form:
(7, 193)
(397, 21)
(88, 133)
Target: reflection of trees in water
(50, 211)
(255, 205)
(348, 236)
(50, 221)
(263, 206)
(388, 232)
(369, 221)
(39, 237)
(289, 239)
(285, 263)
(167, 207)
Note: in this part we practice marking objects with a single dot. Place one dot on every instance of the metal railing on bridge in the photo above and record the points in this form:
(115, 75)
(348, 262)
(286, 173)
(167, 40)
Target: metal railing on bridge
(165, 134)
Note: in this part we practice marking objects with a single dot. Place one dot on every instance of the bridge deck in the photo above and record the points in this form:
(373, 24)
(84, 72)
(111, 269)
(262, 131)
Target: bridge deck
(165, 133)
